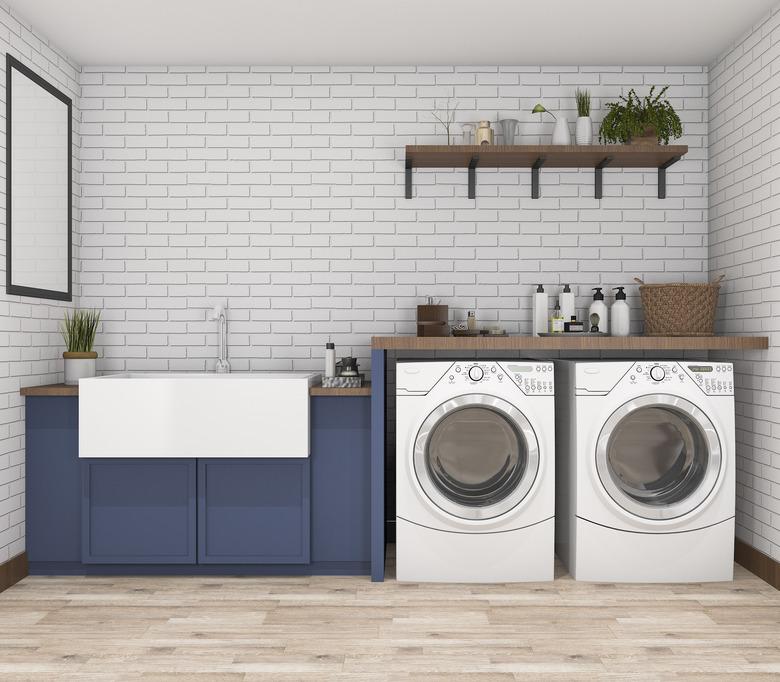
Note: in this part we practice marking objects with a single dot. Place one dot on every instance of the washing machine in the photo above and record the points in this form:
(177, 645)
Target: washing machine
(646, 470)
(475, 473)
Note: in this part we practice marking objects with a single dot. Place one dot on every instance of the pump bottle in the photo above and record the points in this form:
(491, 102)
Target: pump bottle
(620, 313)
(599, 308)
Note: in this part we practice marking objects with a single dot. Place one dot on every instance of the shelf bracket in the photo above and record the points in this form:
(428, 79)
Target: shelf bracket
(408, 178)
(473, 176)
(662, 176)
(599, 191)
(535, 177)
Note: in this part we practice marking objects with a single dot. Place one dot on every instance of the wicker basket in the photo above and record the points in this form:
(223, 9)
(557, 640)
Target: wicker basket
(679, 309)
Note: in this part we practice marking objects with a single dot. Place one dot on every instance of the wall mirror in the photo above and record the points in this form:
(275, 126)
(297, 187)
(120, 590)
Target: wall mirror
(38, 186)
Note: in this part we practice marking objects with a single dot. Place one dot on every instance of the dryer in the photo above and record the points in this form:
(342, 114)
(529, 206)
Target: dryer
(646, 470)
(475, 474)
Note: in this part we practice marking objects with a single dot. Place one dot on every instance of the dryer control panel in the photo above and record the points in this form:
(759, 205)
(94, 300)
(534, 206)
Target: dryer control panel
(533, 378)
(713, 378)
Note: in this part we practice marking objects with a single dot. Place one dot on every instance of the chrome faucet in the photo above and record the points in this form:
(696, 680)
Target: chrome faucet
(220, 315)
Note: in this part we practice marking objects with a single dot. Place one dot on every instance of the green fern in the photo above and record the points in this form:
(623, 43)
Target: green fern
(634, 117)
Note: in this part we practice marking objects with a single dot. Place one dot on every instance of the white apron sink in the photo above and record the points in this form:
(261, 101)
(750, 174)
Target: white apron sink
(148, 414)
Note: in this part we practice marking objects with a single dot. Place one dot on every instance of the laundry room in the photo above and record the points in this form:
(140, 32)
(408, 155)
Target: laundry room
(350, 340)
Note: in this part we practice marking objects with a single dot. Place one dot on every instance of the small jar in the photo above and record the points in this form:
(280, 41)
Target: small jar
(484, 133)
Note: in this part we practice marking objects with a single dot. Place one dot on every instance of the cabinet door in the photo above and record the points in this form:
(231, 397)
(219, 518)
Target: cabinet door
(53, 503)
(341, 479)
(253, 511)
(139, 511)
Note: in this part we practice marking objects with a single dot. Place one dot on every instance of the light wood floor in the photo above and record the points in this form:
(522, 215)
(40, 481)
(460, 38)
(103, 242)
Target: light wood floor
(77, 628)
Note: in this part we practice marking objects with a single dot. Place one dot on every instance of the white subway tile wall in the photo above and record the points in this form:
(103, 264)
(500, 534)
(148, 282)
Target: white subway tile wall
(281, 191)
(30, 344)
(745, 246)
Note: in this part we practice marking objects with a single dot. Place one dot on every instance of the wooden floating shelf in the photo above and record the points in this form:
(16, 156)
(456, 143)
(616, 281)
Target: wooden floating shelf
(627, 343)
(541, 156)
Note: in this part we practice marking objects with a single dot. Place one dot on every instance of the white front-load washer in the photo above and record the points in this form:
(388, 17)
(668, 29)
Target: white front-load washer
(646, 470)
(475, 473)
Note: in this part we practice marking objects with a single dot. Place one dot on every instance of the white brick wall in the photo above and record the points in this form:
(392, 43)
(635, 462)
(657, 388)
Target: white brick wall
(281, 190)
(30, 345)
(745, 245)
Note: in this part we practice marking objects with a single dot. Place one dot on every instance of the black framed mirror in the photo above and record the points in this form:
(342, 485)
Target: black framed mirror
(38, 186)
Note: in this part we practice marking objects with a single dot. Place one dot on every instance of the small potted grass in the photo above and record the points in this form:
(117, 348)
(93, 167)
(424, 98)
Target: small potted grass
(78, 331)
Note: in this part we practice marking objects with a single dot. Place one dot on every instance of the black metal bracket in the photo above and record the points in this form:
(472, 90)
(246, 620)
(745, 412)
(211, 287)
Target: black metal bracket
(535, 177)
(408, 178)
(473, 176)
(662, 176)
(599, 191)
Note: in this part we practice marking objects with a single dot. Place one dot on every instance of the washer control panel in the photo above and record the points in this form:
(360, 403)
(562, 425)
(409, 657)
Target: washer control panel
(712, 378)
(533, 378)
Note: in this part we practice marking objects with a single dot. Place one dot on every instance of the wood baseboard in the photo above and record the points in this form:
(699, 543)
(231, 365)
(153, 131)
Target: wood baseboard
(757, 563)
(13, 570)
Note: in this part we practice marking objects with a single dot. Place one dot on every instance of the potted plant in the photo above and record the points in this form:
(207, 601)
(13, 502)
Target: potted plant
(78, 330)
(632, 120)
(561, 133)
(584, 129)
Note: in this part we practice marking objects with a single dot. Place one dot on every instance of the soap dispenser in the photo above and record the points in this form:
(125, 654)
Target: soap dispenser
(566, 299)
(620, 313)
(599, 308)
(540, 311)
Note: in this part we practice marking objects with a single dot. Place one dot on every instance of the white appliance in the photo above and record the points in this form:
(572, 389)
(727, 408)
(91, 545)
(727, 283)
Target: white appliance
(475, 474)
(646, 470)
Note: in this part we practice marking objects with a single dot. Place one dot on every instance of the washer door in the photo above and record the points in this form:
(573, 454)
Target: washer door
(476, 457)
(658, 457)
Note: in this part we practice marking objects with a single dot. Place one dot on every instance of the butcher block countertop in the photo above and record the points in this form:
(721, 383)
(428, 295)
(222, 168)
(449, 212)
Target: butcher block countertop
(63, 390)
(563, 343)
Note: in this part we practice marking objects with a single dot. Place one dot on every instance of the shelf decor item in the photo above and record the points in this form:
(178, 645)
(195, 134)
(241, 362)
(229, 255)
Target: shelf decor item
(584, 129)
(509, 129)
(632, 120)
(78, 330)
(679, 309)
(484, 133)
(561, 134)
(446, 117)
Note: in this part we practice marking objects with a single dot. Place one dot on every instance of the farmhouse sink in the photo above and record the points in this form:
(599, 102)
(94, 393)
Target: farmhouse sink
(160, 414)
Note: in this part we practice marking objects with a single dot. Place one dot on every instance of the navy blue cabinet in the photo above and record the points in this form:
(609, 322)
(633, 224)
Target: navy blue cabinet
(138, 511)
(253, 511)
(52, 499)
(191, 516)
(341, 475)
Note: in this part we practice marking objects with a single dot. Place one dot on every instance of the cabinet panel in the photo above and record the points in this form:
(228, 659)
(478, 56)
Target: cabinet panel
(138, 511)
(52, 480)
(341, 479)
(253, 511)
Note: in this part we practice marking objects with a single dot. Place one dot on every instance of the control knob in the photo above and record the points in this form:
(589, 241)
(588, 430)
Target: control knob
(476, 373)
(657, 373)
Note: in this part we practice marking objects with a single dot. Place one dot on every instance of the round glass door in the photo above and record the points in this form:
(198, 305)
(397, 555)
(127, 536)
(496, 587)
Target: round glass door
(658, 457)
(476, 457)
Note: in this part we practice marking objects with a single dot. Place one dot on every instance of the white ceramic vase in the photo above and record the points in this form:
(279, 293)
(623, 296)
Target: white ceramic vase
(561, 134)
(584, 130)
(79, 366)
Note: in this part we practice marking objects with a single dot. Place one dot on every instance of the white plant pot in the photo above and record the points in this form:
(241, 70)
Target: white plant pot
(79, 366)
(584, 130)
(561, 134)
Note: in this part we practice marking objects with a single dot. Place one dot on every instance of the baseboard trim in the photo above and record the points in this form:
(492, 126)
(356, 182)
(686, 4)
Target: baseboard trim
(13, 570)
(757, 563)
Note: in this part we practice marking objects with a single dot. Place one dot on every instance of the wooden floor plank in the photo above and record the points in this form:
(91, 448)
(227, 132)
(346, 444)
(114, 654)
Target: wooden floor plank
(336, 628)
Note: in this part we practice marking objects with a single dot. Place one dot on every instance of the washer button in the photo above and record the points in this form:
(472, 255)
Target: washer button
(476, 373)
(657, 373)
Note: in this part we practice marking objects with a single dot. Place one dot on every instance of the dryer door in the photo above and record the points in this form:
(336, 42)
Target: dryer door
(658, 457)
(476, 457)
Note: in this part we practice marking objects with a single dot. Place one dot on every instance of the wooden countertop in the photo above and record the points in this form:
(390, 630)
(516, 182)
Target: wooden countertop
(63, 390)
(519, 342)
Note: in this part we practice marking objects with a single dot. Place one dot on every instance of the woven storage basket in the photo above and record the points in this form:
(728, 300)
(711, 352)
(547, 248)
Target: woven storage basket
(679, 309)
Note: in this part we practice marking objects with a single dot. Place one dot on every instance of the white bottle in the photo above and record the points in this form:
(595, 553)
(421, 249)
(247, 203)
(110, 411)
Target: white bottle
(330, 359)
(566, 299)
(599, 308)
(620, 314)
(540, 311)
